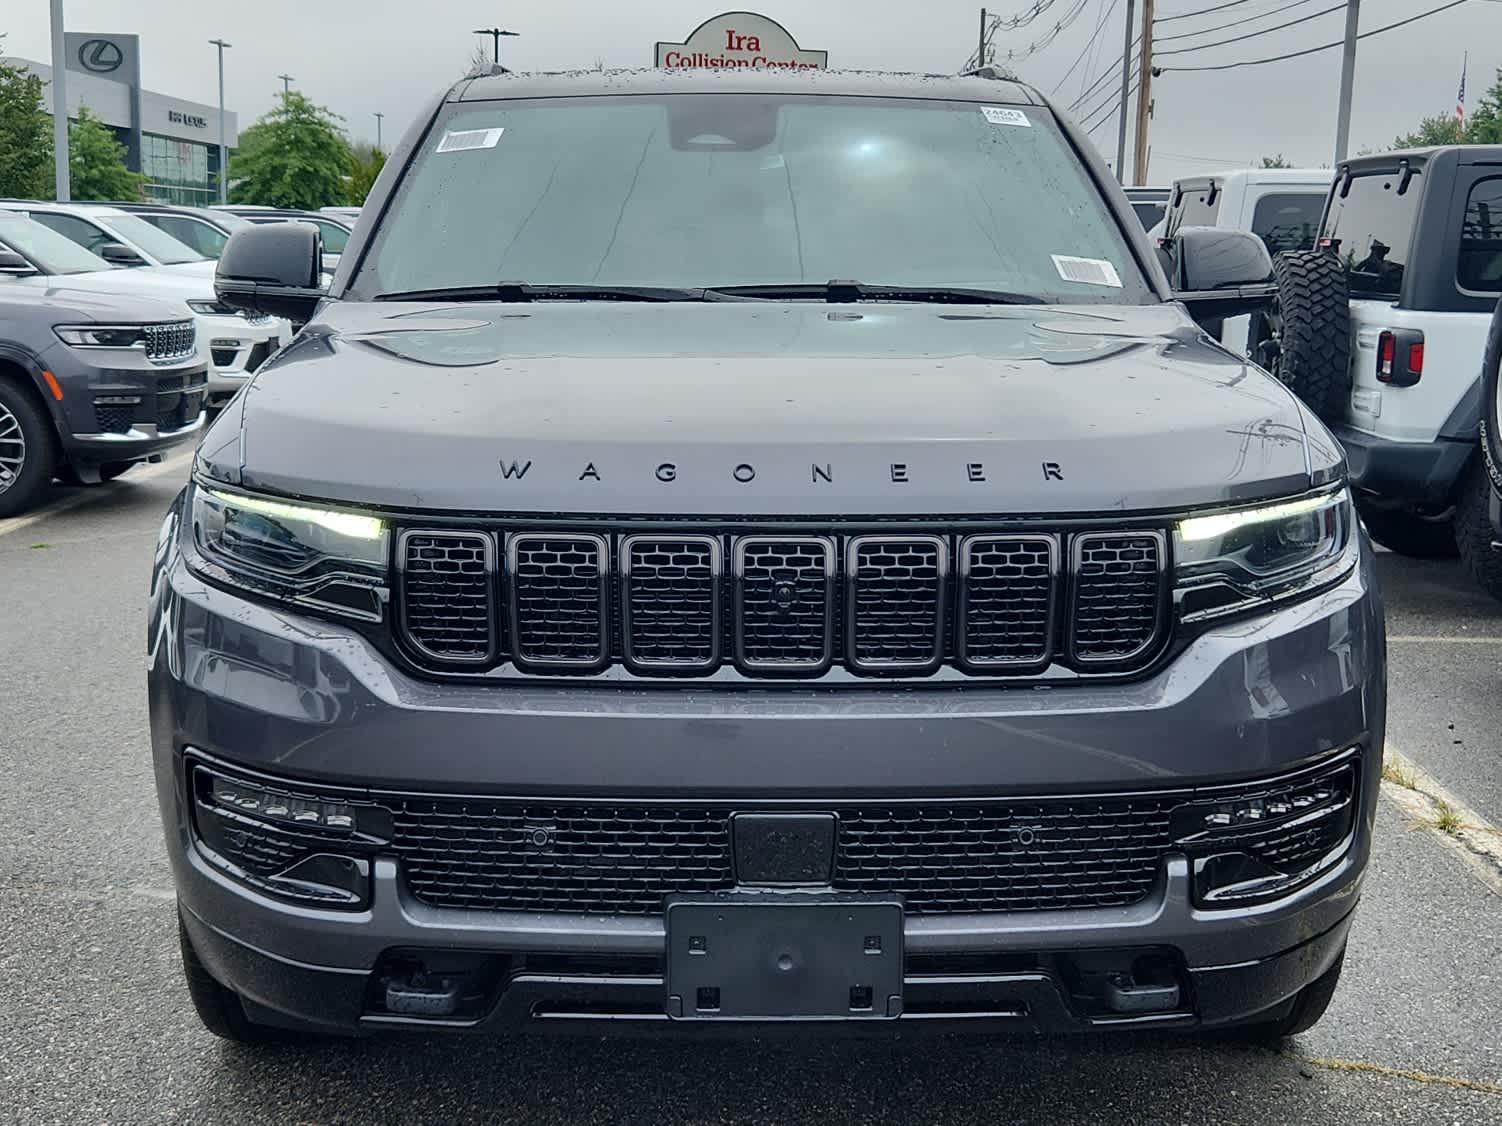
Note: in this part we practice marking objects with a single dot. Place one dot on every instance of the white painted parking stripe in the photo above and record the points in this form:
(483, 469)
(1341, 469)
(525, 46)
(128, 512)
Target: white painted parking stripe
(176, 464)
(1429, 805)
(1442, 639)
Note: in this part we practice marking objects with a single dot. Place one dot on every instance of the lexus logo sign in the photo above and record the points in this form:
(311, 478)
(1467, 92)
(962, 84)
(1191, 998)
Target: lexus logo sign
(101, 56)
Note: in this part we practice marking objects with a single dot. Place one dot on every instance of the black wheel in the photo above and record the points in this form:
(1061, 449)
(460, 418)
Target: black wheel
(219, 1008)
(1308, 1007)
(28, 449)
(1473, 529)
(1305, 338)
(1410, 533)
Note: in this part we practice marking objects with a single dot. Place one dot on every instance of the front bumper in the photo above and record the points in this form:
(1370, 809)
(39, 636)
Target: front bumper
(1404, 474)
(238, 348)
(311, 701)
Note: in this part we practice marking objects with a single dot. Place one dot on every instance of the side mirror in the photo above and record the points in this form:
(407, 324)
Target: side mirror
(118, 254)
(1219, 273)
(272, 268)
(14, 264)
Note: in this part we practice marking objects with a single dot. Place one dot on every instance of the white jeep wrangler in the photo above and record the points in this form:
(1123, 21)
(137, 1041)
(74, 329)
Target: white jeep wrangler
(1380, 327)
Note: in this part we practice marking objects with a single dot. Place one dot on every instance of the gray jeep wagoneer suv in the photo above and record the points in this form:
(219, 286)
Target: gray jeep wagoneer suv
(734, 550)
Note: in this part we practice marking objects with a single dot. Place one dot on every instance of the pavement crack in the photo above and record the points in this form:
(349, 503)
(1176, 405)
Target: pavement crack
(1429, 805)
(1336, 1063)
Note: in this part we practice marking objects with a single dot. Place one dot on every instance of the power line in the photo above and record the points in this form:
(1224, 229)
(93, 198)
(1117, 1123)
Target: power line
(1231, 23)
(1321, 47)
(1050, 35)
(1201, 12)
(1108, 112)
(1094, 42)
(1254, 34)
(1111, 72)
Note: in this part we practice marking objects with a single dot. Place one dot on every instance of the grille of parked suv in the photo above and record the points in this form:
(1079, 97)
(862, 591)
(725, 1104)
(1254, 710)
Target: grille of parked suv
(594, 856)
(170, 341)
(686, 602)
(176, 409)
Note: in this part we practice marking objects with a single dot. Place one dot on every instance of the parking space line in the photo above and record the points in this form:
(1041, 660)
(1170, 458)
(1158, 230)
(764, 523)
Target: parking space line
(1429, 805)
(162, 469)
(1335, 1063)
(1441, 639)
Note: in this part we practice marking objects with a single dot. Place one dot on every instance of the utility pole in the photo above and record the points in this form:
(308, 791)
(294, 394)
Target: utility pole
(495, 34)
(1126, 94)
(223, 171)
(59, 106)
(378, 131)
(980, 50)
(1144, 93)
(1347, 81)
(286, 83)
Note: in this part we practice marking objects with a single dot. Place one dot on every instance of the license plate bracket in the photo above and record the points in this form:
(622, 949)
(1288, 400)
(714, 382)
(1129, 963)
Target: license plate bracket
(784, 957)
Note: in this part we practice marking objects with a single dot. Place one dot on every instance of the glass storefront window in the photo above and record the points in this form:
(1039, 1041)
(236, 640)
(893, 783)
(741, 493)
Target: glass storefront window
(180, 171)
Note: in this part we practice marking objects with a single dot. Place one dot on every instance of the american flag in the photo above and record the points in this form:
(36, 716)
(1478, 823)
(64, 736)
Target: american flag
(1460, 97)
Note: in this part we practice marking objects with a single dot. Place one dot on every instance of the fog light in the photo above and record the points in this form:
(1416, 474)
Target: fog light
(1265, 842)
(270, 806)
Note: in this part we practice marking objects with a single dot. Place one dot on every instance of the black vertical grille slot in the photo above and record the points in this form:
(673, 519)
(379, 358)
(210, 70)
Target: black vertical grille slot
(670, 597)
(1007, 600)
(447, 595)
(895, 605)
(784, 604)
(560, 586)
(1118, 595)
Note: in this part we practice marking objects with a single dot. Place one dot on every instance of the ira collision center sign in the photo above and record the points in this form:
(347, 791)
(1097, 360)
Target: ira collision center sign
(740, 39)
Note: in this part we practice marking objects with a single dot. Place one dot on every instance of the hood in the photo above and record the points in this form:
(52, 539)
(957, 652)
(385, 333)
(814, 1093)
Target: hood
(143, 281)
(758, 408)
(62, 305)
(204, 269)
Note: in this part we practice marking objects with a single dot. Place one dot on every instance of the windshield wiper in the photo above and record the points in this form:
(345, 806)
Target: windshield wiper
(525, 291)
(841, 292)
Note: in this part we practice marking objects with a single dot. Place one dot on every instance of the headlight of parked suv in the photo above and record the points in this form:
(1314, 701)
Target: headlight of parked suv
(211, 308)
(1240, 558)
(102, 336)
(333, 560)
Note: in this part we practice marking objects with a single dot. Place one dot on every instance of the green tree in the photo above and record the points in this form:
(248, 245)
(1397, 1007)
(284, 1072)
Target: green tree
(366, 164)
(25, 135)
(294, 156)
(1279, 161)
(1436, 130)
(96, 161)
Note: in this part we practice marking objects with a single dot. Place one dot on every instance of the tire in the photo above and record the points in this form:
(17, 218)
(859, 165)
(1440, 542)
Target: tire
(1308, 1007)
(1308, 339)
(1409, 533)
(219, 1008)
(28, 449)
(1473, 529)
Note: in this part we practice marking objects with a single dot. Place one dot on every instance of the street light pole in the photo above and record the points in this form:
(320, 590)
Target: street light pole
(286, 82)
(59, 106)
(1126, 95)
(495, 34)
(378, 130)
(223, 170)
(1347, 81)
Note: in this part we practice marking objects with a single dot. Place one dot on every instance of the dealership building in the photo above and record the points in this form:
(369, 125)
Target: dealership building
(172, 140)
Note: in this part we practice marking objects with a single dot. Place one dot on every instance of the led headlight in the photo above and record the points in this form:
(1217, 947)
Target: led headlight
(102, 336)
(329, 559)
(1235, 559)
(211, 308)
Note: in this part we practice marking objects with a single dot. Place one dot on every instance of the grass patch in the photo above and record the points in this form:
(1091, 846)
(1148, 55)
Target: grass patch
(1392, 772)
(40, 546)
(1446, 820)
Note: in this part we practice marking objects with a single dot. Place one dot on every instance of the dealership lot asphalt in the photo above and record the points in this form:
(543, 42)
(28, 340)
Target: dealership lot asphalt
(96, 1027)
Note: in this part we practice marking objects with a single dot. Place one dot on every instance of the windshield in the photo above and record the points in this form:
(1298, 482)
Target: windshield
(719, 190)
(55, 253)
(158, 244)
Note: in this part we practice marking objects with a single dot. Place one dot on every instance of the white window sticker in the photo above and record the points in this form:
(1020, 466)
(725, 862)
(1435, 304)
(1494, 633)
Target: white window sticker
(1086, 271)
(463, 139)
(1000, 115)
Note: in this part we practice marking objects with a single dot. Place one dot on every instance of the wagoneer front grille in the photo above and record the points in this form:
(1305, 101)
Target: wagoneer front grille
(685, 602)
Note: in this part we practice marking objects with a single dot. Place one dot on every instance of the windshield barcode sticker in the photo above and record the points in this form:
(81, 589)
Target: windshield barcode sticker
(1086, 271)
(465, 139)
(999, 115)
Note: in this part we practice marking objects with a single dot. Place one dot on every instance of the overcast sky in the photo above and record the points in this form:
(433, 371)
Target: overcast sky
(360, 56)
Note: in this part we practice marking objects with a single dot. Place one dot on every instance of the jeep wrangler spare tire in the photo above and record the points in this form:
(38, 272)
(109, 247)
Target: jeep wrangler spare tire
(1310, 346)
